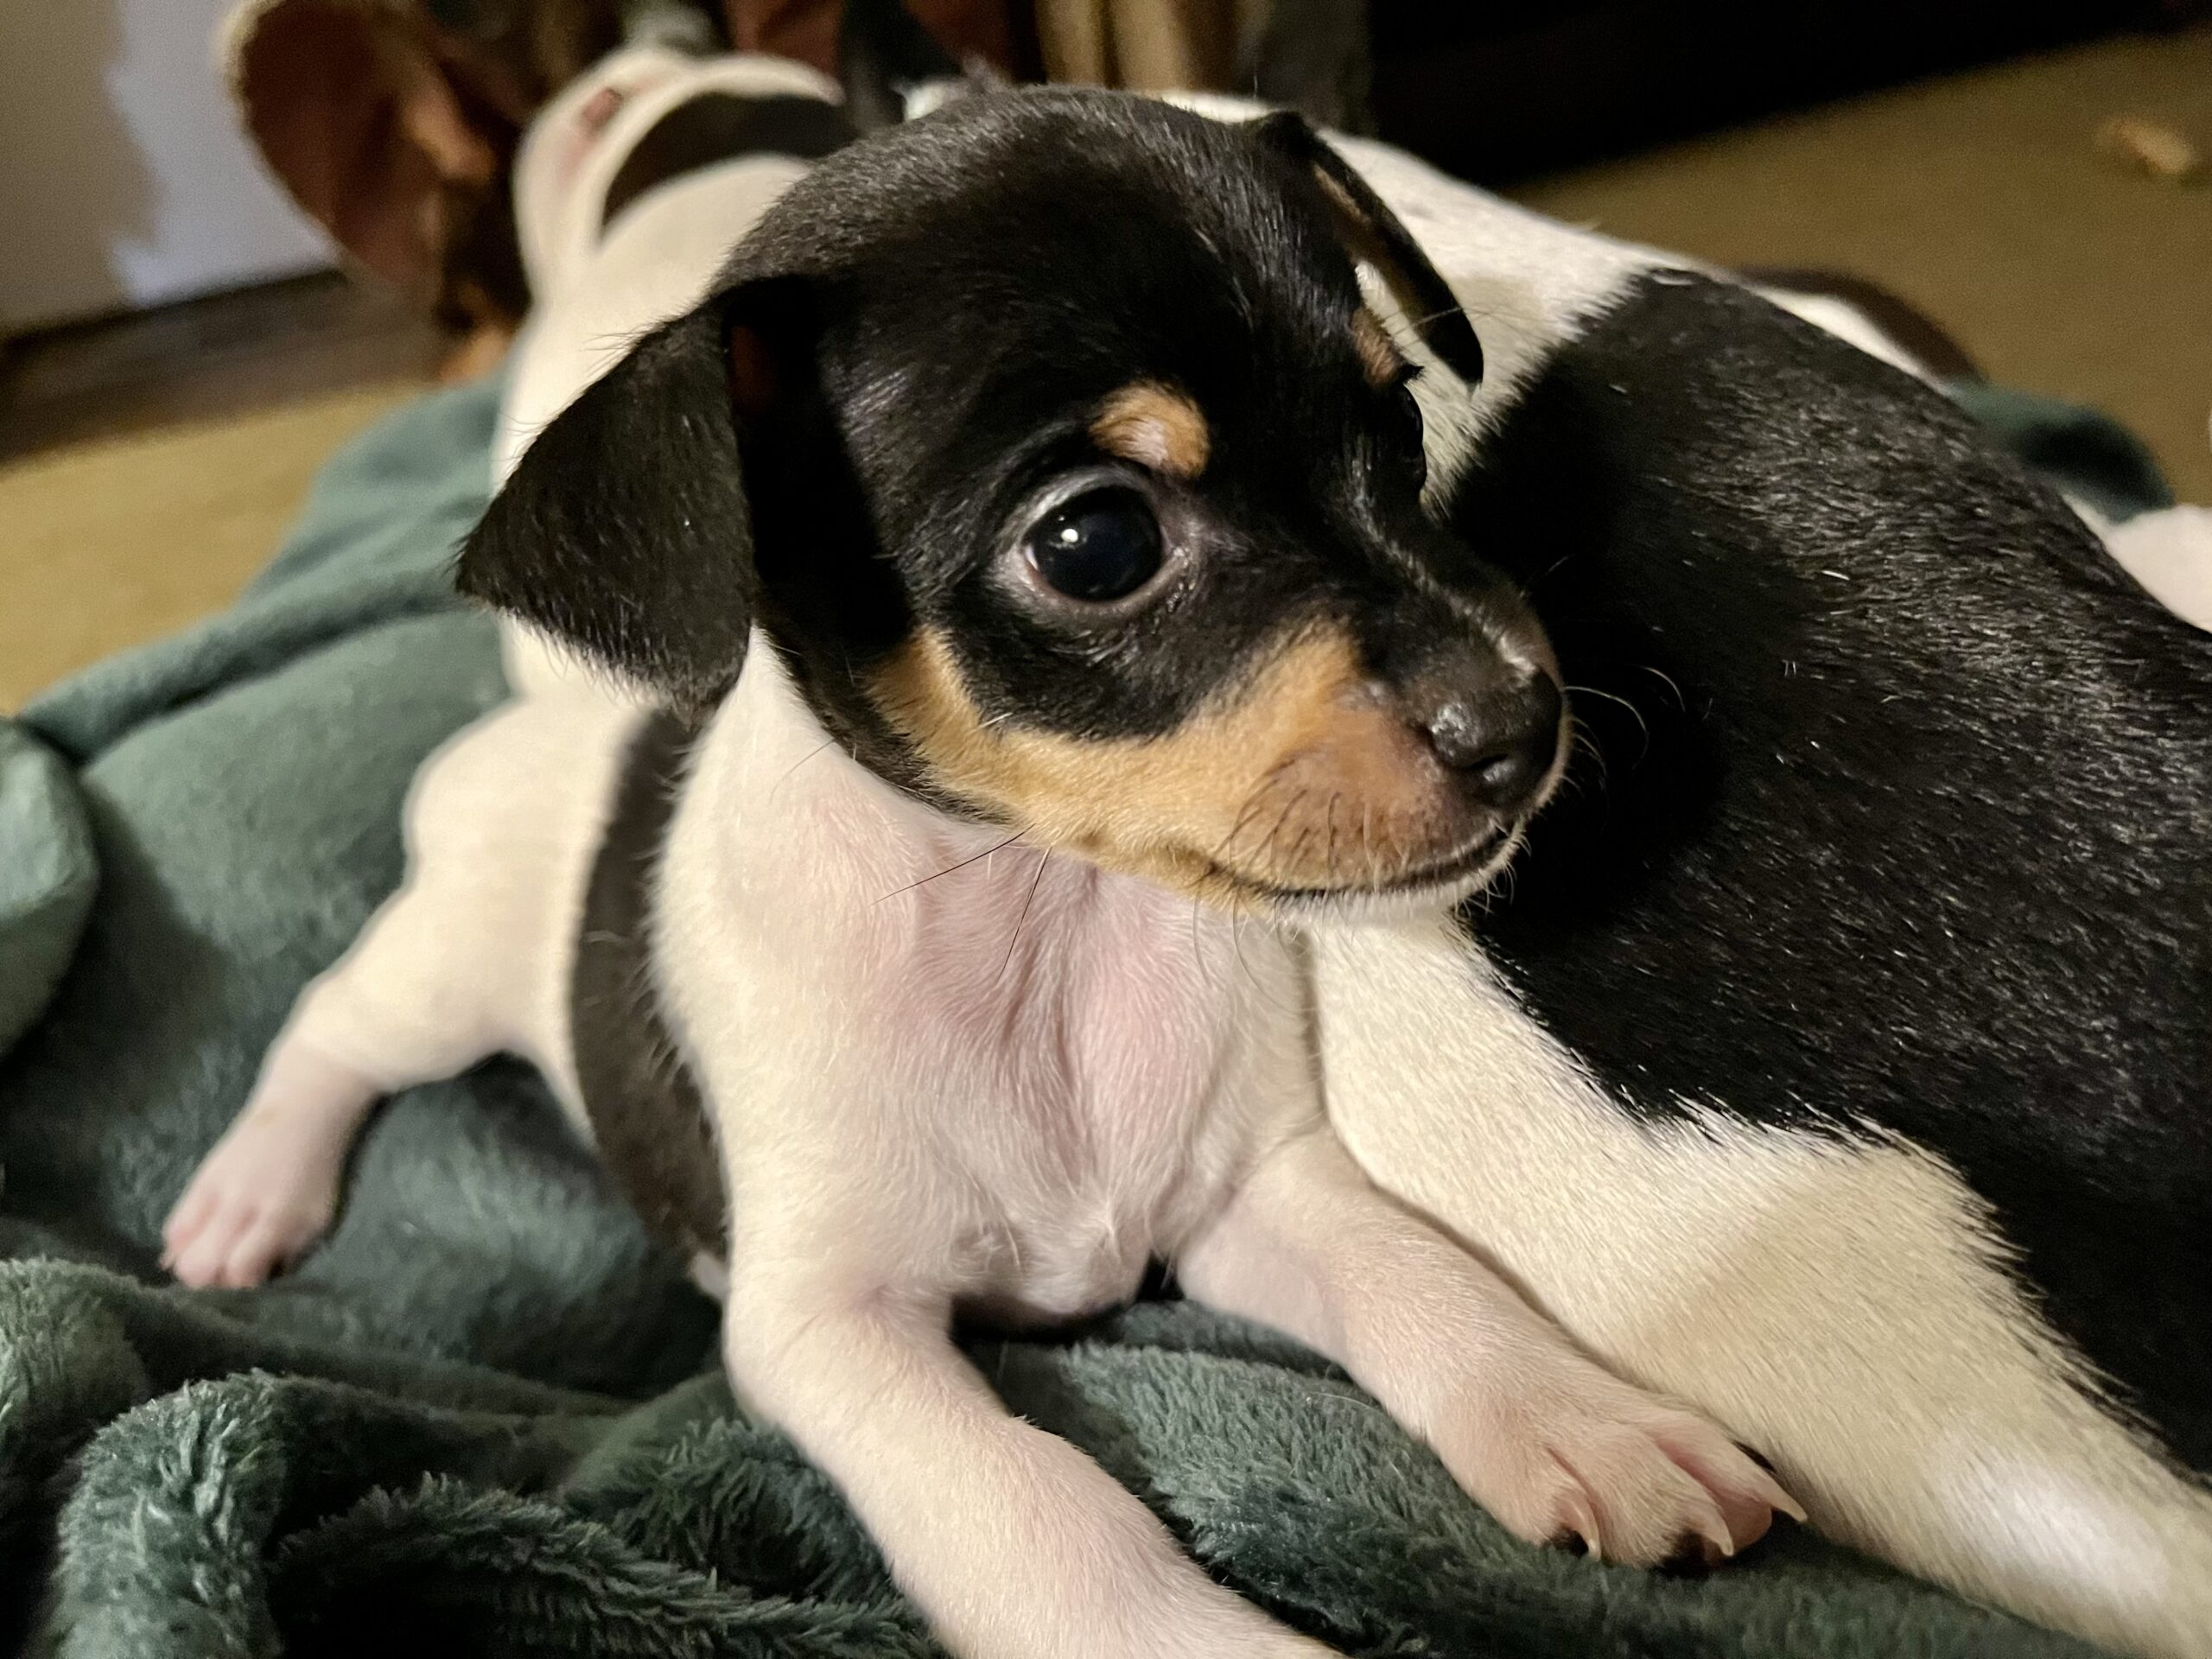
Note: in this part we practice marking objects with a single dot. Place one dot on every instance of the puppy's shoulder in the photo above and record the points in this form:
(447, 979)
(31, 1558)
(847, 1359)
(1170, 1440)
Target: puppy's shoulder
(537, 770)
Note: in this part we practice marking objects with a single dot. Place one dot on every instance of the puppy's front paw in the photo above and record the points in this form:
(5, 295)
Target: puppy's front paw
(1574, 1452)
(264, 1194)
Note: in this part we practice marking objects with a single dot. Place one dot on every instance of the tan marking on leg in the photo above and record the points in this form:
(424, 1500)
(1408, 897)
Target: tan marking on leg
(1155, 426)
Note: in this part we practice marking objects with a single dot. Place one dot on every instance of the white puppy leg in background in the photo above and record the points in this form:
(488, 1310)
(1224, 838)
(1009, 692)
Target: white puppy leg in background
(469, 958)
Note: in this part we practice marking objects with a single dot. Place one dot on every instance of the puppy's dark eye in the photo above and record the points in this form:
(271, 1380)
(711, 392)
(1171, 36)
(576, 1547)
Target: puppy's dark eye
(1103, 545)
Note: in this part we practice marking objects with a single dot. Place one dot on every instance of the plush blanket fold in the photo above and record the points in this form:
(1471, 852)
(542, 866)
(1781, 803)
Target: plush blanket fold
(486, 1416)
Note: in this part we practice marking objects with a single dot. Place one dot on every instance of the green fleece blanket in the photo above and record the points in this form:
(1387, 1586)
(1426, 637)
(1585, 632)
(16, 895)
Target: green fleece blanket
(486, 1416)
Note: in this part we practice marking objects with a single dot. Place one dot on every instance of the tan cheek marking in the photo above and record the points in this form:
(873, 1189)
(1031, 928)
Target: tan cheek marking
(1304, 780)
(1155, 426)
(1377, 355)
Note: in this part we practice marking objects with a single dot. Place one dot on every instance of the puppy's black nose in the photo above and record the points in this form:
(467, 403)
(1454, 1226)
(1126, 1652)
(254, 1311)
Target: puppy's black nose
(1501, 741)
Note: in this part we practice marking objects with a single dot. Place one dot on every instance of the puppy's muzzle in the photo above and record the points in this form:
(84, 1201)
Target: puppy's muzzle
(1412, 775)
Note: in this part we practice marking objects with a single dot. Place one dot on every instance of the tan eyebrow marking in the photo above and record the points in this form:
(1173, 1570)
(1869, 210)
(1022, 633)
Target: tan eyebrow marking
(1154, 426)
(1377, 354)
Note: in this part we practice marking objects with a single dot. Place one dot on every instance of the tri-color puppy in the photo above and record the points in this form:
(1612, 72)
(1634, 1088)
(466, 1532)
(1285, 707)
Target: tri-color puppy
(1027, 530)
(1834, 1060)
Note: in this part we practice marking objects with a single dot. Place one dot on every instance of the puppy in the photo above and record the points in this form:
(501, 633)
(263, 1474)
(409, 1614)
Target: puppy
(1047, 612)
(1836, 1057)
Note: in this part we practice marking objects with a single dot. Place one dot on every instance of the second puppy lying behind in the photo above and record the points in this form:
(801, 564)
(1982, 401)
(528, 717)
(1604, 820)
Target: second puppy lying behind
(1051, 589)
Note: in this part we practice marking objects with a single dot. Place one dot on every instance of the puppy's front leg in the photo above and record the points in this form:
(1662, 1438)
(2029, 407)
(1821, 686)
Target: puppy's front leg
(1014, 1544)
(1537, 1432)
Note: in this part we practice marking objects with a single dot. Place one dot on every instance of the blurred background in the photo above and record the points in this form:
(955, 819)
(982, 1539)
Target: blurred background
(234, 231)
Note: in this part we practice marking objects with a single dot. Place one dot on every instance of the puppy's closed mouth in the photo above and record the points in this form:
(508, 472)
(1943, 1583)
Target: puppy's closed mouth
(1467, 867)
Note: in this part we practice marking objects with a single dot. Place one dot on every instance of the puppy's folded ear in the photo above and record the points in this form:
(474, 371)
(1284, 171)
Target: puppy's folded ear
(625, 530)
(1371, 232)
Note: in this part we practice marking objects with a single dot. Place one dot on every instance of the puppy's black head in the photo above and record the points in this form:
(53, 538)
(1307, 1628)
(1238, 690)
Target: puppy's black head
(1051, 440)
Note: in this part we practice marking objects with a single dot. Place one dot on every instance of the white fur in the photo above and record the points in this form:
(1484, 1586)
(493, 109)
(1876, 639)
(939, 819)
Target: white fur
(2168, 550)
(595, 294)
(1838, 1302)
(940, 1081)
(1006, 1085)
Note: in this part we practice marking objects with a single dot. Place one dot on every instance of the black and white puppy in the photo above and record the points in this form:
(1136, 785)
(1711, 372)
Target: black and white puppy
(1028, 524)
(1837, 1057)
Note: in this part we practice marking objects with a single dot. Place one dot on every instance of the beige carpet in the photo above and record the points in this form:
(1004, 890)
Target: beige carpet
(1979, 198)
(105, 544)
(1983, 201)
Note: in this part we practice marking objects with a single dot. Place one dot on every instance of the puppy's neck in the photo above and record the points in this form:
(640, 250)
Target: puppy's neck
(973, 912)
(1045, 1063)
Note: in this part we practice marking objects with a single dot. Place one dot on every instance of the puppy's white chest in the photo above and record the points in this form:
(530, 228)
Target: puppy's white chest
(1087, 1099)
(1088, 1258)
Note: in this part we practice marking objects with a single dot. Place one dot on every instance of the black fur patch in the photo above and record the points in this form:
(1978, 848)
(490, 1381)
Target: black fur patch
(1371, 229)
(647, 1118)
(1002, 267)
(1903, 811)
(719, 127)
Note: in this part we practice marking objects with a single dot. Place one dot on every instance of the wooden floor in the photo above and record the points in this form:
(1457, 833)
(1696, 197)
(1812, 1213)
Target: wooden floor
(150, 464)
(230, 354)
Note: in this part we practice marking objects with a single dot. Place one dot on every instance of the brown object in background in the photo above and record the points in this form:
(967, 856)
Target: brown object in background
(1072, 35)
(393, 124)
(1979, 198)
(111, 543)
(1495, 94)
(1165, 45)
(196, 360)
(1308, 55)
(1148, 45)
(396, 134)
